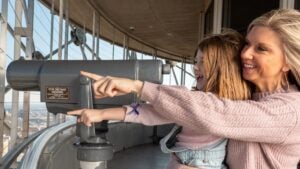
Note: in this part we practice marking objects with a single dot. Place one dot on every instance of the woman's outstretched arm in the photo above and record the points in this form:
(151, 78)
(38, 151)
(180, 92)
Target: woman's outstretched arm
(270, 120)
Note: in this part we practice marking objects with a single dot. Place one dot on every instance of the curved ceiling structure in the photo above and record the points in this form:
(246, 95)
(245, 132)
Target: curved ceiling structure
(164, 28)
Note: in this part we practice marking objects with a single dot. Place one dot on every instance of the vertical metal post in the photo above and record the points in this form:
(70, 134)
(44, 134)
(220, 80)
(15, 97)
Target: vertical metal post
(51, 48)
(15, 94)
(124, 47)
(170, 77)
(287, 4)
(61, 13)
(3, 35)
(60, 35)
(154, 54)
(113, 44)
(183, 72)
(66, 47)
(93, 35)
(142, 51)
(82, 46)
(97, 45)
(184, 75)
(217, 21)
(98, 38)
(29, 50)
(52, 28)
(201, 26)
(127, 47)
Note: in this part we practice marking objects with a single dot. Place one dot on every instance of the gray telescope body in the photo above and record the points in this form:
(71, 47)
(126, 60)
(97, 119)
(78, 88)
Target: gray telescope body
(58, 81)
(63, 89)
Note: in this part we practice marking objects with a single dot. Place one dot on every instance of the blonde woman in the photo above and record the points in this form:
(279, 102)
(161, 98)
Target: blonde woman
(263, 132)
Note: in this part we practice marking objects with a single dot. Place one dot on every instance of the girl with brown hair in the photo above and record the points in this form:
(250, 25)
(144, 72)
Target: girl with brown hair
(218, 71)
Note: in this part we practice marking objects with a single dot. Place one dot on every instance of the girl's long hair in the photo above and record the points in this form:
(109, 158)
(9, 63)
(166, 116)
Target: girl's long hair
(222, 65)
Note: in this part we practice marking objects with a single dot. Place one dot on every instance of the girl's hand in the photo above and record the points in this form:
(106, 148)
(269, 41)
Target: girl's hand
(89, 116)
(113, 86)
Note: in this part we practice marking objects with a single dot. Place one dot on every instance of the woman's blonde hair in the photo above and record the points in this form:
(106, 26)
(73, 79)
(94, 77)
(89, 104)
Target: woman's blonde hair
(222, 65)
(286, 23)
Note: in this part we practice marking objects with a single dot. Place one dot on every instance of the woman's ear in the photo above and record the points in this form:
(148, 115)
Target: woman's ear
(285, 68)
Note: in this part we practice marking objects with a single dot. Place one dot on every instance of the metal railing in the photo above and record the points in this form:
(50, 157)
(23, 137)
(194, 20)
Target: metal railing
(10, 157)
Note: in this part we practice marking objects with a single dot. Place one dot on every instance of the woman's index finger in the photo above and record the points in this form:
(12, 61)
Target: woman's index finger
(91, 75)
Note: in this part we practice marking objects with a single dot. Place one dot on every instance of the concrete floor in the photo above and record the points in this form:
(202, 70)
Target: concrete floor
(147, 156)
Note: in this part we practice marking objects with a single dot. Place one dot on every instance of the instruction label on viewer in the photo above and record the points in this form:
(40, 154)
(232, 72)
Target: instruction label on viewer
(57, 93)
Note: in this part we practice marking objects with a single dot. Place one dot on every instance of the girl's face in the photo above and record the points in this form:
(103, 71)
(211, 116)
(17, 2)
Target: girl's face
(199, 70)
(263, 59)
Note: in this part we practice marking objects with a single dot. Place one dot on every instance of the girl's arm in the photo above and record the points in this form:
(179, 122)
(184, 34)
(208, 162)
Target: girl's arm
(144, 114)
(89, 116)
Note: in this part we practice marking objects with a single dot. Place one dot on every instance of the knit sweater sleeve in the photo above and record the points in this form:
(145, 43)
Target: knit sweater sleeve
(145, 114)
(270, 120)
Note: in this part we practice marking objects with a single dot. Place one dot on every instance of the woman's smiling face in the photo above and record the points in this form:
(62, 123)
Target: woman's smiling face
(263, 59)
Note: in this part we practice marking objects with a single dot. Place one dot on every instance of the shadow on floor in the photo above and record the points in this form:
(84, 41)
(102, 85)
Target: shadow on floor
(147, 156)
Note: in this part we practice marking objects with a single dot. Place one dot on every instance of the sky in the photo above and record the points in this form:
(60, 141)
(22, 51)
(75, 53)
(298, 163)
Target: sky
(41, 36)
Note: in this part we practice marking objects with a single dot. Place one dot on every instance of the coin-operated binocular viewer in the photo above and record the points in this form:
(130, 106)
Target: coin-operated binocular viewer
(63, 89)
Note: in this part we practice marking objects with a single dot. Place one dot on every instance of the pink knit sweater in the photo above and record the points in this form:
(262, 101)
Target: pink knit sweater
(264, 134)
(187, 137)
